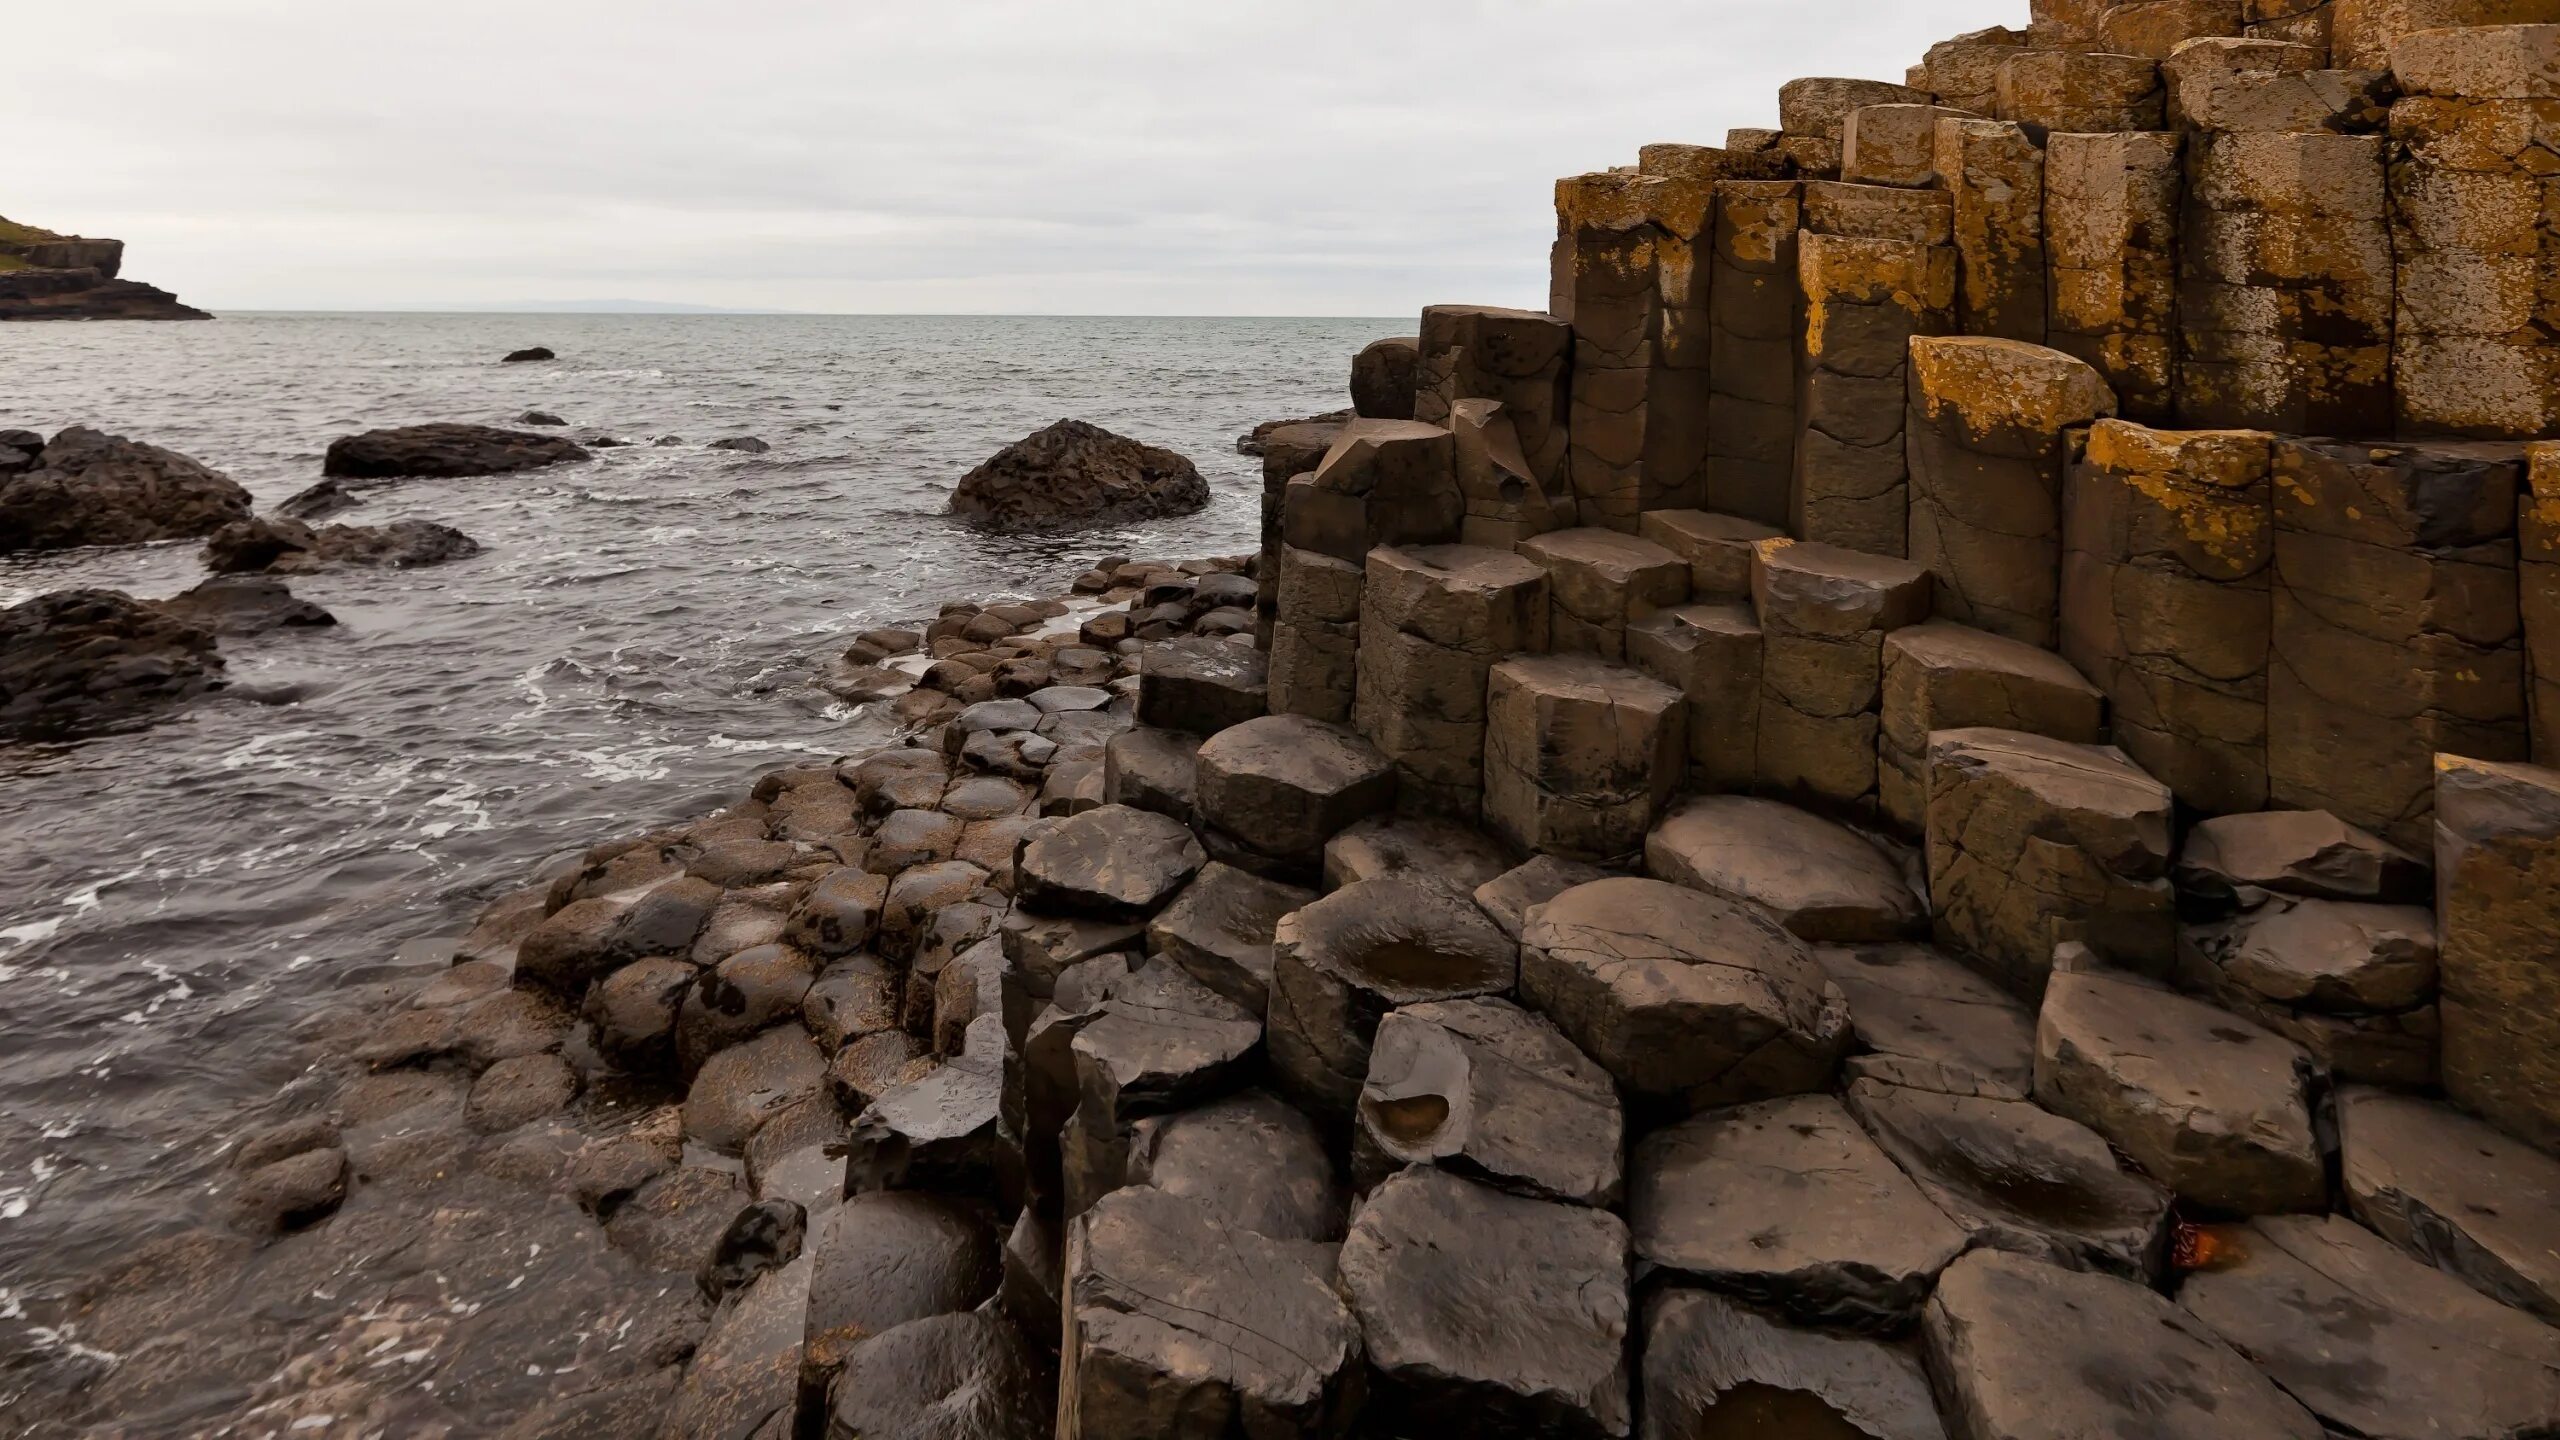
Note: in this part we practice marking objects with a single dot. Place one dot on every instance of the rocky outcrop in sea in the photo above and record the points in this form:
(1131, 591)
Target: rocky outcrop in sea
(85, 487)
(45, 276)
(1076, 475)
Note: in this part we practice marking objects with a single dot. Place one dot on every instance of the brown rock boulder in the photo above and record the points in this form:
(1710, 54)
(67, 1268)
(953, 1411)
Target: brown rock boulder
(90, 488)
(444, 450)
(1075, 476)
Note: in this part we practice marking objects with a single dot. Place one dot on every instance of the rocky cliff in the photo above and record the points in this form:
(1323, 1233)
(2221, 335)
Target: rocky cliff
(45, 276)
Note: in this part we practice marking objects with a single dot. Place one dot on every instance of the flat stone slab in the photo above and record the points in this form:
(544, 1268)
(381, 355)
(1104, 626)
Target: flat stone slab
(1114, 862)
(1343, 962)
(2207, 1103)
(1509, 896)
(1384, 844)
(1788, 1204)
(1178, 1323)
(2373, 1342)
(1496, 1093)
(1284, 784)
(1715, 1369)
(1152, 769)
(1681, 994)
(1202, 685)
(2017, 1177)
(1821, 880)
(1915, 1003)
(1219, 930)
(2297, 852)
(947, 1376)
(2023, 1350)
(2456, 1194)
(2336, 957)
(1509, 1311)
(1161, 1041)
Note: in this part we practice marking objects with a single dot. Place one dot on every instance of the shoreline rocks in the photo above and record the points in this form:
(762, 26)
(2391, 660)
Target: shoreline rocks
(76, 661)
(444, 450)
(1076, 476)
(86, 487)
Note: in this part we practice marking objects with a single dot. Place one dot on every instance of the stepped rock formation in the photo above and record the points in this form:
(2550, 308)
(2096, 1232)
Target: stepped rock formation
(1986, 497)
(45, 276)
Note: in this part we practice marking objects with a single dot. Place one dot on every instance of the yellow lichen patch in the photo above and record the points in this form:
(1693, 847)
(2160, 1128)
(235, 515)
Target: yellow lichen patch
(2223, 459)
(1995, 384)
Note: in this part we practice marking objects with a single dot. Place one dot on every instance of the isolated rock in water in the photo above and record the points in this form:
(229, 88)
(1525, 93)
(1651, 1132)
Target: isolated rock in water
(1074, 476)
(1507, 1311)
(243, 605)
(2021, 1348)
(91, 488)
(539, 417)
(444, 450)
(1716, 1368)
(76, 660)
(319, 502)
(538, 352)
(287, 546)
(743, 444)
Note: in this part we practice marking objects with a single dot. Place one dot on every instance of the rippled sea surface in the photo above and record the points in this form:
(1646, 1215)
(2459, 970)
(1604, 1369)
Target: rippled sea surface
(631, 648)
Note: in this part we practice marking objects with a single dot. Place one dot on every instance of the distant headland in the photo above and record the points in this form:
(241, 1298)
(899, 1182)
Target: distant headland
(45, 276)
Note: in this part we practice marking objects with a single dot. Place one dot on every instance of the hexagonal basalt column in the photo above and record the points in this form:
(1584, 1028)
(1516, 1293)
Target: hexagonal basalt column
(2033, 842)
(1600, 582)
(1274, 790)
(1755, 307)
(2396, 633)
(1988, 425)
(1385, 482)
(1995, 173)
(1580, 755)
(2497, 859)
(1433, 621)
(1864, 300)
(2168, 537)
(1939, 676)
(1522, 358)
(2111, 227)
(1315, 637)
(1824, 613)
(1712, 654)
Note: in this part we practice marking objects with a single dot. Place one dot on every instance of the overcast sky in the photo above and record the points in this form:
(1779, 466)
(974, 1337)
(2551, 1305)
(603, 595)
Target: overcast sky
(1312, 157)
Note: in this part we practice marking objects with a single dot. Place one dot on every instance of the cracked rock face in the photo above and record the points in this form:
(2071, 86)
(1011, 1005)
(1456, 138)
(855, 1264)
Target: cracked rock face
(1114, 862)
(1683, 996)
(1179, 1324)
(1493, 1092)
(1075, 476)
(1480, 1303)
(1787, 1203)
(1718, 1370)
(2446, 1188)
(1343, 962)
(950, 1377)
(2206, 1102)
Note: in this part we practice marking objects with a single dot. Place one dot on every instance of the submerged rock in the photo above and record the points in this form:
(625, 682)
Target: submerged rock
(239, 606)
(86, 487)
(283, 545)
(1075, 476)
(444, 450)
(77, 660)
(537, 352)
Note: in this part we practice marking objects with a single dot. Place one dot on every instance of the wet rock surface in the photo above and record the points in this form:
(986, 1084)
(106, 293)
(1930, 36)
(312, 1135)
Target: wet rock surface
(1075, 476)
(86, 487)
(76, 660)
(444, 450)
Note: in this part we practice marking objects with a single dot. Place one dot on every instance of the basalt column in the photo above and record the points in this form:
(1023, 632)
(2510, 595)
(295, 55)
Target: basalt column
(1385, 482)
(2475, 222)
(2168, 538)
(1995, 173)
(1864, 300)
(1988, 426)
(1434, 619)
(2285, 284)
(2396, 630)
(2111, 229)
(1521, 358)
(1755, 305)
(1641, 332)
(1824, 613)
(2538, 591)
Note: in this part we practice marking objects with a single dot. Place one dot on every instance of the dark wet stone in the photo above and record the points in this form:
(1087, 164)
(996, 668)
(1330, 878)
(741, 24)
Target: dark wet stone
(2024, 1349)
(633, 1013)
(1718, 1370)
(1495, 1093)
(948, 1377)
(1112, 863)
(1161, 1041)
(1202, 685)
(1788, 1204)
(443, 450)
(888, 1258)
(245, 606)
(1180, 1324)
(1340, 964)
(1283, 785)
(674, 1221)
(840, 913)
(519, 1091)
(1509, 1311)
(764, 1237)
(744, 1085)
(744, 1384)
(739, 999)
(77, 660)
(938, 1132)
(1151, 769)
(1459, 855)
(289, 1191)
